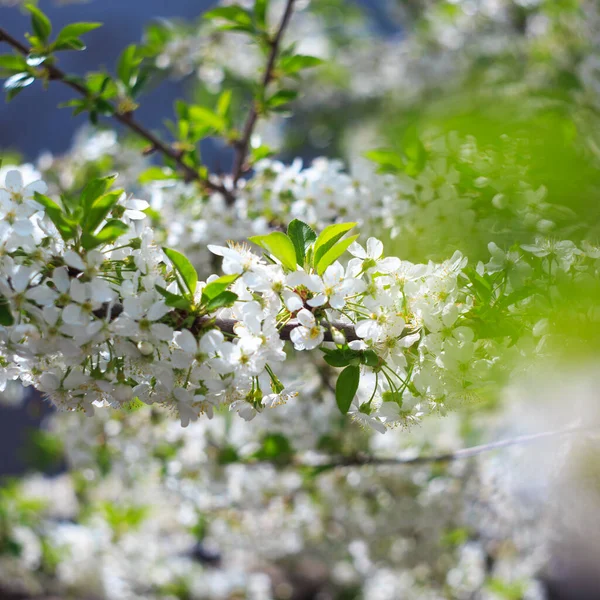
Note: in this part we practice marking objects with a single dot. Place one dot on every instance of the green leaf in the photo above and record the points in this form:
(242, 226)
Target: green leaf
(369, 358)
(113, 230)
(239, 19)
(223, 300)
(99, 210)
(216, 287)
(260, 12)
(281, 98)
(290, 65)
(185, 269)
(338, 357)
(280, 246)
(128, 64)
(73, 31)
(173, 299)
(94, 189)
(156, 174)
(39, 23)
(389, 161)
(12, 63)
(224, 103)
(328, 237)
(334, 253)
(56, 215)
(346, 387)
(275, 448)
(302, 237)
(6, 316)
(204, 117)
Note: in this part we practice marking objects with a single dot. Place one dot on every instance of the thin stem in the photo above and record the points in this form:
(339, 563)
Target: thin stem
(126, 119)
(241, 146)
(361, 460)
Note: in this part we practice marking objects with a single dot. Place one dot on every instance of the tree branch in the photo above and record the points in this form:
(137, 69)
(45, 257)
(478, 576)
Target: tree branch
(126, 119)
(242, 144)
(361, 460)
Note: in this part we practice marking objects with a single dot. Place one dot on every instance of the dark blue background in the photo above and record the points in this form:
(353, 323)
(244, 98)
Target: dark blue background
(31, 123)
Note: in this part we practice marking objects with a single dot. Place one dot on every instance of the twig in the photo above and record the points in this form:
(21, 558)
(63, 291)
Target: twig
(126, 119)
(361, 460)
(241, 146)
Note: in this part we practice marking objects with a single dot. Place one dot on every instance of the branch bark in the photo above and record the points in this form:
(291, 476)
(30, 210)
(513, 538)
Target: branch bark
(126, 119)
(241, 146)
(363, 460)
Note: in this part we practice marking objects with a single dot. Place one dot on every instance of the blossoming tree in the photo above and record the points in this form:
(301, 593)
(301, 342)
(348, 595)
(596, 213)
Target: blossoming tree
(174, 294)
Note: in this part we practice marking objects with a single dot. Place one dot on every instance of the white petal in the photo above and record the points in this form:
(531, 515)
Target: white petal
(374, 248)
(73, 315)
(20, 280)
(161, 332)
(38, 186)
(78, 291)
(318, 300)
(211, 341)
(41, 294)
(60, 277)
(306, 318)
(157, 311)
(357, 250)
(14, 181)
(101, 291)
(292, 301)
(389, 264)
(74, 260)
(136, 204)
(186, 341)
(133, 307)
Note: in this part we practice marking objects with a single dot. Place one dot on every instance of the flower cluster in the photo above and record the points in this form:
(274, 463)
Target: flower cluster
(94, 313)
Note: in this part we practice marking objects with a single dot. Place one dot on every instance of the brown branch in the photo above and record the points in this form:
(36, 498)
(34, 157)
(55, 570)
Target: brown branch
(241, 146)
(362, 460)
(126, 119)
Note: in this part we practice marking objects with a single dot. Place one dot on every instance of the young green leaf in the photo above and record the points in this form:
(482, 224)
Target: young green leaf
(94, 189)
(346, 387)
(281, 98)
(185, 269)
(237, 18)
(280, 246)
(389, 161)
(203, 117)
(99, 210)
(12, 63)
(173, 300)
(260, 12)
(68, 36)
(223, 300)
(57, 216)
(216, 287)
(127, 65)
(333, 254)
(302, 237)
(328, 237)
(224, 104)
(291, 65)
(112, 231)
(40, 23)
